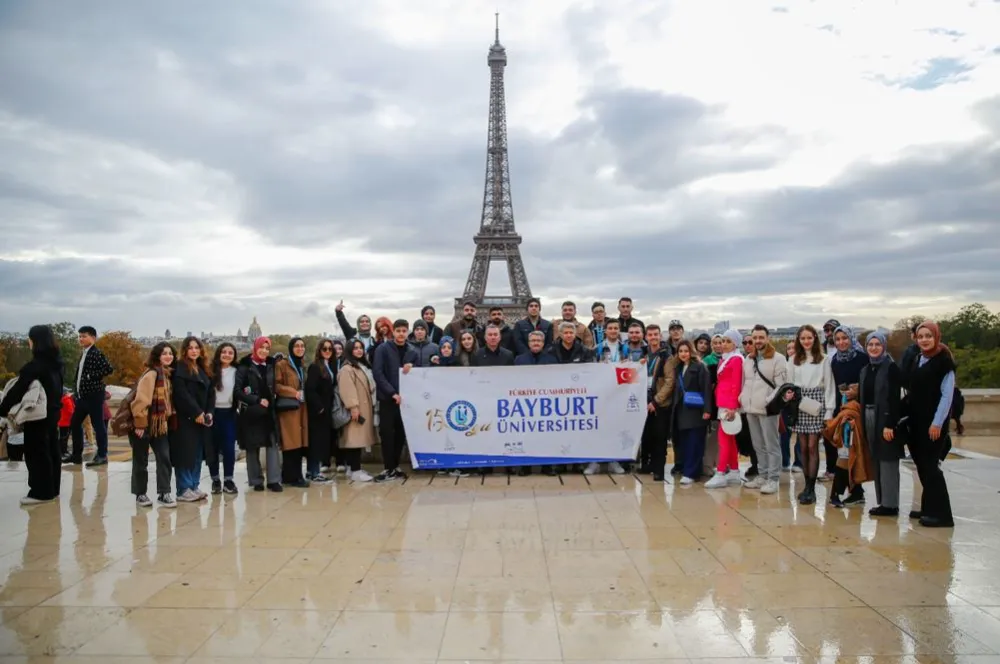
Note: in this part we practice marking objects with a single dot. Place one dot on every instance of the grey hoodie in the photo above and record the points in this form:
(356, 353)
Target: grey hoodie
(425, 350)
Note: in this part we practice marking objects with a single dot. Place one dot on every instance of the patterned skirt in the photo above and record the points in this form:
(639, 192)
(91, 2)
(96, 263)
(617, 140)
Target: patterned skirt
(811, 423)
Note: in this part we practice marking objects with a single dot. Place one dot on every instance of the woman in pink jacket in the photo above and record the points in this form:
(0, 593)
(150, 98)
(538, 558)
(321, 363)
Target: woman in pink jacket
(727, 398)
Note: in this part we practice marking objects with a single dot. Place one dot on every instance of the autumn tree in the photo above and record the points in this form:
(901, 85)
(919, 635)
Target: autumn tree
(125, 354)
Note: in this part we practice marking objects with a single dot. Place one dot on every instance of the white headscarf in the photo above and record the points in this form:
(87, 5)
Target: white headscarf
(737, 339)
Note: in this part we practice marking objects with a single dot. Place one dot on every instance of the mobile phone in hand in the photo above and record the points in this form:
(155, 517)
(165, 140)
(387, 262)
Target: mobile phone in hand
(361, 419)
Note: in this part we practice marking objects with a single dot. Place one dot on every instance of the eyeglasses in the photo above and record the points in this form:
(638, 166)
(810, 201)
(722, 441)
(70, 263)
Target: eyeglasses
(747, 342)
(326, 349)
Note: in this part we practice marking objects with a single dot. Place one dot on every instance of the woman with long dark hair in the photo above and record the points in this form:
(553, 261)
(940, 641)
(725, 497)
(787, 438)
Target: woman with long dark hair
(41, 437)
(930, 388)
(293, 417)
(256, 421)
(468, 348)
(810, 371)
(356, 384)
(690, 422)
(321, 381)
(194, 399)
(152, 410)
(224, 420)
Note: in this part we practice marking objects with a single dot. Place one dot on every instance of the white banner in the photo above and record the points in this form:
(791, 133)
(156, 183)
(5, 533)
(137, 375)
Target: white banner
(523, 415)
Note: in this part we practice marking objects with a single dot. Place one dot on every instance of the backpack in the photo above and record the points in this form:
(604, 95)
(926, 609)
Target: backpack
(122, 423)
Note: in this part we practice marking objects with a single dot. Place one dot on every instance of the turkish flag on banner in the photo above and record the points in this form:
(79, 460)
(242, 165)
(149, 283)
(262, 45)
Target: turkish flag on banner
(626, 375)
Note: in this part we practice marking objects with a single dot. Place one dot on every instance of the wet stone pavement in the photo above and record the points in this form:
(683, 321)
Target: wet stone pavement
(535, 569)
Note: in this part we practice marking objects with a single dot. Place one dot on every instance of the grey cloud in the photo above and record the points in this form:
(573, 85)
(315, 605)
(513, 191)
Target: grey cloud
(285, 102)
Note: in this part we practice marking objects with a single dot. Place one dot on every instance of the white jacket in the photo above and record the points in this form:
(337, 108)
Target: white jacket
(32, 407)
(756, 393)
(809, 375)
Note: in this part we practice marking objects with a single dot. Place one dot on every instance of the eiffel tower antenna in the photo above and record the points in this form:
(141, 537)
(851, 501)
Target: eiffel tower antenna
(497, 239)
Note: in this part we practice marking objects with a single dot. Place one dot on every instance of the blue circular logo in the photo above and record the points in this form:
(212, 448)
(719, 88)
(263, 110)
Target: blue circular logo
(461, 416)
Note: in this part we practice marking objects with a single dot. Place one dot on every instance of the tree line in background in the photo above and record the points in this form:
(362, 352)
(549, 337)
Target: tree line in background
(973, 334)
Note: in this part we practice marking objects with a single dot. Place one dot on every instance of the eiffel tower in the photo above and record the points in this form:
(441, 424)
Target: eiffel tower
(497, 240)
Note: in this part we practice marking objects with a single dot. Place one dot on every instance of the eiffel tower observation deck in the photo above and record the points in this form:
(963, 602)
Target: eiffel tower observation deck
(497, 239)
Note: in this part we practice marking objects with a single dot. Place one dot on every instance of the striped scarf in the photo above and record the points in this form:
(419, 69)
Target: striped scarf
(158, 408)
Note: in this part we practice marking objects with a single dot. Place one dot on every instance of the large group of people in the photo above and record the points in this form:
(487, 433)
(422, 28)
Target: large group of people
(321, 413)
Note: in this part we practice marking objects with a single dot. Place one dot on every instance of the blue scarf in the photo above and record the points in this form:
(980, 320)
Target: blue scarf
(853, 349)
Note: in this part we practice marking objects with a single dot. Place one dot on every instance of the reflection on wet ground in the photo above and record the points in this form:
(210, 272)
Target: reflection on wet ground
(534, 569)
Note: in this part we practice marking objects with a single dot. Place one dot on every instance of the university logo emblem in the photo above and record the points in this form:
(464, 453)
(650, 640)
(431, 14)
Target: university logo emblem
(633, 404)
(461, 416)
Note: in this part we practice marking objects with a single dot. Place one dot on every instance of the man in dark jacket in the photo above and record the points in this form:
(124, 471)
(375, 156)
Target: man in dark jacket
(493, 354)
(569, 349)
(434, 333)
(625, 319)
(390, 357)
(90, 374)
(536, 353)
(468, 321)
(533, 322)
(506, 332)
(422, 346)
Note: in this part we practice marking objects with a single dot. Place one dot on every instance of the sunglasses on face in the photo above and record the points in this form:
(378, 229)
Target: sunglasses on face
(747, 342)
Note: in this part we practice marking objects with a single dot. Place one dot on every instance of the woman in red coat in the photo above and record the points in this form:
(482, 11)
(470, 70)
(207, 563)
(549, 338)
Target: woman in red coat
(727, 398)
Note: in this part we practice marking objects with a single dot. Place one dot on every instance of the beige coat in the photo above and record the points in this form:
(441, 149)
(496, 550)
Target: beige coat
(293, 425)
(756, 393)
(356, 392)
(144, 398)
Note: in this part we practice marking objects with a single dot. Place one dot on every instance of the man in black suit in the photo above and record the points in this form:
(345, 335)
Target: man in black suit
(90, 374)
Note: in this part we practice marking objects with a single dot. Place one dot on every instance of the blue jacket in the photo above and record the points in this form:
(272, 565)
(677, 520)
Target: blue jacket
(603, 350)
(524, 327)
(387, 366)
(530, 358)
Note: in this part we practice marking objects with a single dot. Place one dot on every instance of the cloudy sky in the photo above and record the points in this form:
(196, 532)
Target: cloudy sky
(190, 164)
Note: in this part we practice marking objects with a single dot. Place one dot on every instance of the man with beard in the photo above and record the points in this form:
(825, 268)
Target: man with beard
(625, 319)
(466, 322)
(582, 334)
(363, 331)
(656, 431)
(506, 333)
(635, 349)
(533, 322)
(434, 333)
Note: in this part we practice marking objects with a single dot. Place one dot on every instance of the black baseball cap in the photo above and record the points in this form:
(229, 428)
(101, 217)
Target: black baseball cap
(674, 324)
(833, 323)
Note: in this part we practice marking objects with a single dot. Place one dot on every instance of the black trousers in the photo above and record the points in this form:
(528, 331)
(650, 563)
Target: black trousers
(91, 405)
(291, 465)
(926, 453)
(392, 433)
(41, 456)
(351, 458)
(140, 463)
(653, 444)
(831, 457)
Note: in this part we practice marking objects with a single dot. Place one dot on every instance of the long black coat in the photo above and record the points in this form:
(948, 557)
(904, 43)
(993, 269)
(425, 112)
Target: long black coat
(888, 382)
(256, 425)
(319, 391)
(697, 378)
(193, 396)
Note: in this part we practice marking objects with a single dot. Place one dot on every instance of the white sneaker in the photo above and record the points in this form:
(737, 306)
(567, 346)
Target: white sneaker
(28, 500)
(592, 469)
(341, 469)
(686, 481)
(786, 469)
(360, 476)
(755, 483)
(796, 470)
(457, 473)
(769, 486)
(188, 496)
(718, 481)
(615, 468)
(734, 478)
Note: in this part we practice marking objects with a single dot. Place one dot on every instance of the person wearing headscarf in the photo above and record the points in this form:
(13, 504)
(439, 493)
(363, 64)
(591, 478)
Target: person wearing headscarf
(256, 422)
(293, 416)
(879, 391)
(356, 385)
(727, 399)
(446, 353)
(846, 363)
(930, 386)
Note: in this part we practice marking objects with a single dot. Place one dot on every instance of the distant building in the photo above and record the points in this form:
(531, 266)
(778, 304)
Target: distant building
(253, 332)
(720, 327)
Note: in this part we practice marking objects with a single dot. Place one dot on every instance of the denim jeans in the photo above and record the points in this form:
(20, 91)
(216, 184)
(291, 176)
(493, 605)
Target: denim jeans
(224, 442)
